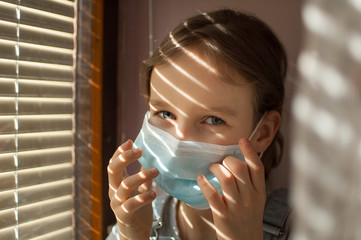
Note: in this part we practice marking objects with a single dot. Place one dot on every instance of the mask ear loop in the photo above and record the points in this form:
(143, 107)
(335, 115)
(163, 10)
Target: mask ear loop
(256, 128)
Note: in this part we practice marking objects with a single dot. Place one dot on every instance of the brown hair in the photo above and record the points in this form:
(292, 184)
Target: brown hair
(240, 43)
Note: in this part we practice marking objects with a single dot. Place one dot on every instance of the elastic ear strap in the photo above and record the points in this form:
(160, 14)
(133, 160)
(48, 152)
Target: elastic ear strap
(257, 126)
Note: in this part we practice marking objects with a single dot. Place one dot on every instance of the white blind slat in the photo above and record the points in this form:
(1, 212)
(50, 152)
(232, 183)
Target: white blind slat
(44, 19)
(7, 87)
(36, 193)
(41, 175)
(7, 49)
(7, 218)
(7, 181)
(8, 30)
(7, 106)
(35, 53)
(38, 141)
(32, 106)
(36, 119)
(44, 157)
(36, 70)
(10, 1)
(44, 209)
(47, 123)
(44, 88)
(65, 8)
(34, 211)
(7, 143)
(35, 176)
(31, 141)
(64, 233)
(30, 34)
(7, 233)
(45, 225)
(8, 12)
(45, 191)
(39, 53)
(7, 125)
(7, 68)
(7, 163)
(36, 105)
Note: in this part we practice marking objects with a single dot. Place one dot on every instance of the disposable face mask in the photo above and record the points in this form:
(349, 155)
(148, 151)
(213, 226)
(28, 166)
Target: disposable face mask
(180, 162)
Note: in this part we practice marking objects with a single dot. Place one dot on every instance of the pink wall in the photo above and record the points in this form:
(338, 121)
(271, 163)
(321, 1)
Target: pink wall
(283, 17)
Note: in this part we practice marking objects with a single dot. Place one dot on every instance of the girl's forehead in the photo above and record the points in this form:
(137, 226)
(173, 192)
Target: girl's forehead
(187, 81)
(208, 61)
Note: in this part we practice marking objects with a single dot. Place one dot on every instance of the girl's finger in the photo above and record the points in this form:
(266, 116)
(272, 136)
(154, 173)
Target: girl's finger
(211, 194)
(131, 205)
(122, 148)
(145, 186)
(131, 183)
(240, 171)
(117, 166)
(227, 181)
(254, 163)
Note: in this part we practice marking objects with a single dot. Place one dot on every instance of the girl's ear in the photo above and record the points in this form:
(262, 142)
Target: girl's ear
(266, 131)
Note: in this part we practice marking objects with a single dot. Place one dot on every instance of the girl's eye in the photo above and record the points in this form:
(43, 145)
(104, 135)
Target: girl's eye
(214, 121)
(166, 115)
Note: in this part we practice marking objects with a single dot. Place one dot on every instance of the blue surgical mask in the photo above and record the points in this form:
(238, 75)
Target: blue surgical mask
(180, 162)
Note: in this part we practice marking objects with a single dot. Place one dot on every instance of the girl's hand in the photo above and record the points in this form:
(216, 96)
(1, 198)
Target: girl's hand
(238, 214)
(130, 196)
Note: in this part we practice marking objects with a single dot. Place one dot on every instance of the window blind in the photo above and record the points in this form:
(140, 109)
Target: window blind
(37, 56)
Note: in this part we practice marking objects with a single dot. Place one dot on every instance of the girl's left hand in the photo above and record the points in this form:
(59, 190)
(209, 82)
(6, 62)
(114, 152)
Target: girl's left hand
(238, 214)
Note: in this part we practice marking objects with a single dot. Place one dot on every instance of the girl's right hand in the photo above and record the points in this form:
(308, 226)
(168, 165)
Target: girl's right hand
(130, 196)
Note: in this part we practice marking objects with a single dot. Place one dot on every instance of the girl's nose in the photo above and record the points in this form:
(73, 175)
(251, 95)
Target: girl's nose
(184, 130)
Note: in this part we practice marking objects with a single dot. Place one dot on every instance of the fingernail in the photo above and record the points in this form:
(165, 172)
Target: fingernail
(152, 194)
(200, 177)
(124, 146)
(244, 141)
(154, 171)
(136, 151)
(127, 143)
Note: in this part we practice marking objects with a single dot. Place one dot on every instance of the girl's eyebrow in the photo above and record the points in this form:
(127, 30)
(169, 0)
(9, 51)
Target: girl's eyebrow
(223, 110)
(155, 104)
(166, 102)
(158, 103)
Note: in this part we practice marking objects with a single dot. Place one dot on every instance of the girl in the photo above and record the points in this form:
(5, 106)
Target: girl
(215, 92)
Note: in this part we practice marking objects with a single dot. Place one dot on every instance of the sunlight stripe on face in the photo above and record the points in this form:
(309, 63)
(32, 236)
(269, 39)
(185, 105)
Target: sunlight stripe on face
(152, 107)
(185, 73)
(167, 101)
(178, 90)
(192, 55)
(179, 133)
(219, 135)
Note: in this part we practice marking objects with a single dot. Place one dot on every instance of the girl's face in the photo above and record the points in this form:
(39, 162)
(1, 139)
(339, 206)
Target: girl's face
(189, 100)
